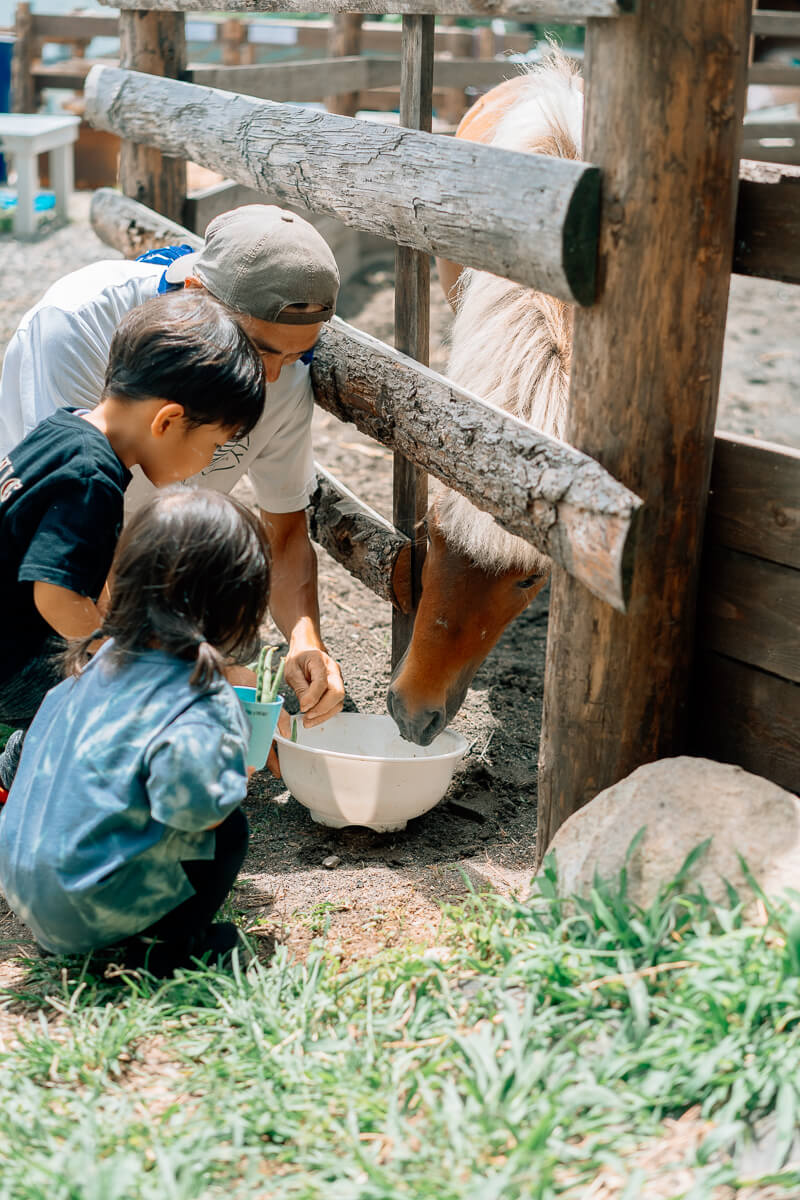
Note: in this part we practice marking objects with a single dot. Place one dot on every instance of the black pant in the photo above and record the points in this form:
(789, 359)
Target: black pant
(184, 929)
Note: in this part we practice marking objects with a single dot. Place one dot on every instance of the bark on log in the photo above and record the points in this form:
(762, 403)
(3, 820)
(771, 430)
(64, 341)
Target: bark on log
(645, 376)
(529, 217)
(567, 12)
(534, 486)
(131, 228)
(153, 42)
(363, 541)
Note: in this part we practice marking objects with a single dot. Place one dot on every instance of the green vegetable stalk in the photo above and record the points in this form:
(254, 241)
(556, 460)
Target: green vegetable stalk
(266, 684)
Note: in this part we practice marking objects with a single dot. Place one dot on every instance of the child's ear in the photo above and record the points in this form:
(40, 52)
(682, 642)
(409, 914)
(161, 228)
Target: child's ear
(167, 416)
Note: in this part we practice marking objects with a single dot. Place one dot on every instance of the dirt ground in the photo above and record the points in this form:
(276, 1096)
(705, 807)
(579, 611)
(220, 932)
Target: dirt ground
(388, 889)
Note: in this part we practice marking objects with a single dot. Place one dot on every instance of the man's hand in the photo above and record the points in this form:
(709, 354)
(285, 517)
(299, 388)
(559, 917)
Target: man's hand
(310, 670)
(317, 681)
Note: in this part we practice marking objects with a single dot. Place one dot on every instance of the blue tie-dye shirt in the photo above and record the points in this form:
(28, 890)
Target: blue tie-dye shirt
(124, 770)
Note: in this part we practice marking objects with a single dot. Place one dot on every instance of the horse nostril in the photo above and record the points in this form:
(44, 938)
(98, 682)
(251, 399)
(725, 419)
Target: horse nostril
(421, 727)
(428, 725)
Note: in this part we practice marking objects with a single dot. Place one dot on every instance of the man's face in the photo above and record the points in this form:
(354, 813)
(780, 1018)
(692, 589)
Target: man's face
(277, 344)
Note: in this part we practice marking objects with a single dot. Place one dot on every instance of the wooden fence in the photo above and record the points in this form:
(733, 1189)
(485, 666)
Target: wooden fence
(649, 328)
(464, 58)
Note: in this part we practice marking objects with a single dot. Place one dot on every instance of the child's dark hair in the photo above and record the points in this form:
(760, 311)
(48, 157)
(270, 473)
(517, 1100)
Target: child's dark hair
(187, 348)
(191, 577)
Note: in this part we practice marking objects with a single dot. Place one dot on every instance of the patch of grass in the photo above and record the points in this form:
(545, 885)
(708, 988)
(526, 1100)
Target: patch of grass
(5, 733)
(538, 1043)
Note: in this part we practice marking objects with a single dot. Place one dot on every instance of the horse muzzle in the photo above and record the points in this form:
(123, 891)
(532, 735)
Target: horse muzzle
(421, 726)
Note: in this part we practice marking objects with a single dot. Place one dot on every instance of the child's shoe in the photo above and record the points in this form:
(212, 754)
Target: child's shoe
(217, 944)
(213, 946)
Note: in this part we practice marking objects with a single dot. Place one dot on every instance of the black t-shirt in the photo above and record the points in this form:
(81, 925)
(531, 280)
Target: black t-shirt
(61, 509)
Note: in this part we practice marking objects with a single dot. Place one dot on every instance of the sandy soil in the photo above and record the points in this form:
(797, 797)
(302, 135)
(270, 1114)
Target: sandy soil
(388, 889)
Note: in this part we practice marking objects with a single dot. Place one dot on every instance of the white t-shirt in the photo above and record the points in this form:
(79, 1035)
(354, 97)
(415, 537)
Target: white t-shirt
(58, 357)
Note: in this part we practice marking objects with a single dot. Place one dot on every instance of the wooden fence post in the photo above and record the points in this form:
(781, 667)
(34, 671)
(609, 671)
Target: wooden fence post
(153, 42)
(23, 93)
(345, 41)
(412, 289)
(664, 99)
(236, 49)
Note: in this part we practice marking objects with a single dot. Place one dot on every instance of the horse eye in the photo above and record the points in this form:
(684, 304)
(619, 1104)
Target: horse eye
(529, 582)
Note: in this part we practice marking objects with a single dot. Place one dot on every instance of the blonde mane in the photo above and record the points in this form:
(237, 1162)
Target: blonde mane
(510, 344)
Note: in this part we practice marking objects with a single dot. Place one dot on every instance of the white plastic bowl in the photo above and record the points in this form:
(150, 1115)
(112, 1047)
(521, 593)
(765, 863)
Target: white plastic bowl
(357, 770)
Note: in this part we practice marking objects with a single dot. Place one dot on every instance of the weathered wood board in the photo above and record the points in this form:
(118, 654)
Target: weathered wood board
(305, 81)
(529, 217)
(749, 609)
(766, 23)
(767, 237)
(754, 503)
(746, 716)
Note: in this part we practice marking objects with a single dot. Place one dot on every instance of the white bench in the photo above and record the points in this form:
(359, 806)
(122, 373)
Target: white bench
(24, 137)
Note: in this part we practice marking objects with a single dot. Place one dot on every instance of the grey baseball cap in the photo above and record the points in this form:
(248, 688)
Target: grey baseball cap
(261, 260)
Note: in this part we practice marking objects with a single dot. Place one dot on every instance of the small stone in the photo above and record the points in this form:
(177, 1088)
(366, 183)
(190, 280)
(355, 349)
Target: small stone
(331, 862)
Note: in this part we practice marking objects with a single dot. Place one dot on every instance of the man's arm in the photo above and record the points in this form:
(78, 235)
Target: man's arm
(294, 605)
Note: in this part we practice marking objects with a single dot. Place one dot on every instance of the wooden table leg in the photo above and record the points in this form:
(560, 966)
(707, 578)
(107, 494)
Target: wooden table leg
(62, 177)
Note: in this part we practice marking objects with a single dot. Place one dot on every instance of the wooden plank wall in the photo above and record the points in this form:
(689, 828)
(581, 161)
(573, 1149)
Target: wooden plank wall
(746, 693)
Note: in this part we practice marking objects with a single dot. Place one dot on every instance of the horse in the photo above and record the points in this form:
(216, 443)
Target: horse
(510, 345)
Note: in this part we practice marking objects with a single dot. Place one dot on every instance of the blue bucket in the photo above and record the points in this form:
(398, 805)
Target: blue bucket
(263, 720)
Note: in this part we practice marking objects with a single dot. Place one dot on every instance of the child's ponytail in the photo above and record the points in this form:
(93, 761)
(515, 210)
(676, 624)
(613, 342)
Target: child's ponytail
(209, 664)
(77, 653)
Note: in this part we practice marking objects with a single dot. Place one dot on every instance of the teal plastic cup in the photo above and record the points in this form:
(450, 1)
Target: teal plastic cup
(263, 720)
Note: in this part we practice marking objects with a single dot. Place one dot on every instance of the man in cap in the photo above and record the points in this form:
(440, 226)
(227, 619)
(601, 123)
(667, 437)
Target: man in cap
(280, 276)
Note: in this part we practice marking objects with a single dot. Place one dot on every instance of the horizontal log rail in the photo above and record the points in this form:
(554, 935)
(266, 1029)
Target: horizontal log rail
(538, 488)
(314, 79)
(298, 82)
(73, 26)
(361, 540)
(774, 74)
(528, 217)
(376, 36)
(565, 11)
(773, 23)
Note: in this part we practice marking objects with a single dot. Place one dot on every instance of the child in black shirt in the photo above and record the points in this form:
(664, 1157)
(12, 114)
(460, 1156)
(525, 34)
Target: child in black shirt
(182, 379)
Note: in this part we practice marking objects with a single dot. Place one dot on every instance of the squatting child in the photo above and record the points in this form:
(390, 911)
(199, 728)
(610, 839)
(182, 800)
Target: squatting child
(182, 379)
(123, 822)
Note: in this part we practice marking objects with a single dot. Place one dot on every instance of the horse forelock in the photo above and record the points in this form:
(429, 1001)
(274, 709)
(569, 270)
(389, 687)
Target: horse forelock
(547, 116)
(510, 344)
